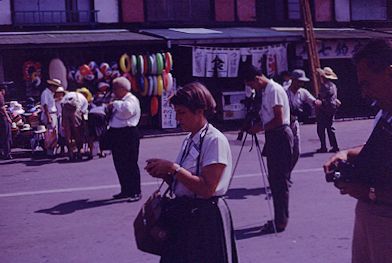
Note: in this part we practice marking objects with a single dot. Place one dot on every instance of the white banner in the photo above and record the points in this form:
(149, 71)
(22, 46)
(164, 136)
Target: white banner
(199, 62)
(217, 63)
(168, 114)
(259, 57)
(206, 61)
(234, 62)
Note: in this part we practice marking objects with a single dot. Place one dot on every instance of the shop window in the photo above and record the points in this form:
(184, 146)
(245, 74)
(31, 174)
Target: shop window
(48, 12)
(368, 10)
(195, 11)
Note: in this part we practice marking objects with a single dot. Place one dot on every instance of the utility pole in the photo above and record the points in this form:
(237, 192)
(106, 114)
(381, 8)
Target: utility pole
(311, 45)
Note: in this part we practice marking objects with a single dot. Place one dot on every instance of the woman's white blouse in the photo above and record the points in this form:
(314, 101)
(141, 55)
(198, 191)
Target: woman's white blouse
(215, 149)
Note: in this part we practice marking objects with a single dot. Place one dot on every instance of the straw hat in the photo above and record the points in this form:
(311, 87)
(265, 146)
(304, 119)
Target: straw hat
(86, 93)
(40, 129)
(26, 127)
(54, 82)
(16, 108)
(327, 73)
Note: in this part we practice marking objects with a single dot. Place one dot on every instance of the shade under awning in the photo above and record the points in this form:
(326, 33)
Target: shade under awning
(221, 35)
(12, 40)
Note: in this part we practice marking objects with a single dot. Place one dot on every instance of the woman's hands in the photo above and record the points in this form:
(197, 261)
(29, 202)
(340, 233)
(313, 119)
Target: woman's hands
(160, 168)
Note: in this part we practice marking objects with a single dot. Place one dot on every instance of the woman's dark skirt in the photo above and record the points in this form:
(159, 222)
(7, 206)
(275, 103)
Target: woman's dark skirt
(97, 125)
(200, 231)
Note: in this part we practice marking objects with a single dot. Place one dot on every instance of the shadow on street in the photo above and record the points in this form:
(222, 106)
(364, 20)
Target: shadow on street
(242, 193)
(246, 233)
(73, 206)
(307, 154)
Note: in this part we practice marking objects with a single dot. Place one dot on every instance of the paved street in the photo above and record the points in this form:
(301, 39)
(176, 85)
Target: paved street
(55, 211)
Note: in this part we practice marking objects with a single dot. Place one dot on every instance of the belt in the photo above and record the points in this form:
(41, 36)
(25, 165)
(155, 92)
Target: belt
(126, 127)
(277, 129)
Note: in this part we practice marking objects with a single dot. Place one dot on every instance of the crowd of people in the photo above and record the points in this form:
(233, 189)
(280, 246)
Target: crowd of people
(198, 216)
(61, 122)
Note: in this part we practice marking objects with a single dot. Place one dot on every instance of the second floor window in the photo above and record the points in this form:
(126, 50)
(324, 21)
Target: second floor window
(293, 9)
(195, 11)
(368, 10)
(43, 12)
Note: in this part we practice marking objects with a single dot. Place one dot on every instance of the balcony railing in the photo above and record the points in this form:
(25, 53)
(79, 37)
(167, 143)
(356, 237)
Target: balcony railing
(55, 17)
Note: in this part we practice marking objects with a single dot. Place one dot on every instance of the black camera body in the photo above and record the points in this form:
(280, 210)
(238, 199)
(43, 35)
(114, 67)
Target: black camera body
(342, 172)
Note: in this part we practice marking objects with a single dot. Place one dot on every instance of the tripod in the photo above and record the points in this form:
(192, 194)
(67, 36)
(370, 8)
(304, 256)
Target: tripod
(263, 170)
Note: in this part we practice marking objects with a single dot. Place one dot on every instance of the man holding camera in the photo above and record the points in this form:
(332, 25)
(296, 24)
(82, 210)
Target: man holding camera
(370, 177)
(275, 121)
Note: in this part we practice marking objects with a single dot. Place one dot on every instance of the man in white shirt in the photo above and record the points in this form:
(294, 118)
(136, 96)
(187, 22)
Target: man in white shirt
(275, 118)
(299, 98)
(125, 139)
(49, 110)
(74, 106)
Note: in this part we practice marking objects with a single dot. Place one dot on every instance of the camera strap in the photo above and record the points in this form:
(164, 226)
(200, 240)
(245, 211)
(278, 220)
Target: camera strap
(187, 150)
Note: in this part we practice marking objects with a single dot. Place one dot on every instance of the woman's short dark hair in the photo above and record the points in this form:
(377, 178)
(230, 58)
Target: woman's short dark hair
(194, 96)
(377, 53)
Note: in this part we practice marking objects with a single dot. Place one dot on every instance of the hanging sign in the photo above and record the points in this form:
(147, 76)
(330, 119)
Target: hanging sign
(330, 49)
(168, 115)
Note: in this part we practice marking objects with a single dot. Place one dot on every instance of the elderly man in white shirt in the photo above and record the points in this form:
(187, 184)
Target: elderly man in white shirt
(298, 99)
(125, 139)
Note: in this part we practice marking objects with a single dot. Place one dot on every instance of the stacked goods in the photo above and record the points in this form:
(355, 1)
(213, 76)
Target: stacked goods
(149, 74)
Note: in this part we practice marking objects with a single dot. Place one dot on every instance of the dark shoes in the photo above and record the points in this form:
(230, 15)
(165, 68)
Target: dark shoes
(134, 198)
(334, 150)
(121, 196)
(322, 150)
(269, 228)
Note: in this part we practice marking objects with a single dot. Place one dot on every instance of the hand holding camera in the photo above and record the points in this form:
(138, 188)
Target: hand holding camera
(340, 171)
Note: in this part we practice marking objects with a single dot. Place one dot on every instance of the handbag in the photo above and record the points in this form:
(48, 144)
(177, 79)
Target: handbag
(150, 233)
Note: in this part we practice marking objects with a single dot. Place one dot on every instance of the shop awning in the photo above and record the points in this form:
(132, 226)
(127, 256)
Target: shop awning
(198, 36)
(12, 40)
(336, 33)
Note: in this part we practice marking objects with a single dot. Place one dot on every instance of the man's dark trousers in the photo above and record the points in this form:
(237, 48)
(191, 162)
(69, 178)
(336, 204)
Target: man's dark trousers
(125, 150)
(325, 122)
(279, 151)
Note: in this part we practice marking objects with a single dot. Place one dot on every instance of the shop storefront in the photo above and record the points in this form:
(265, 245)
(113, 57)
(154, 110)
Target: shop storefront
(86, 58)
(215, 57)
(336, 48)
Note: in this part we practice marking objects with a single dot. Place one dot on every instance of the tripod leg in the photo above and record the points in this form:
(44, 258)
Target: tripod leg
(238, 158)
(264, 174)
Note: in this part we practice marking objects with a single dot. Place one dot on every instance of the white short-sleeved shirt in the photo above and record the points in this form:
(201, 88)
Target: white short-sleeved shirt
(299, 98)
(273, 95)
(77, 99)
(47, 98)
(126, 112)
(215, 149)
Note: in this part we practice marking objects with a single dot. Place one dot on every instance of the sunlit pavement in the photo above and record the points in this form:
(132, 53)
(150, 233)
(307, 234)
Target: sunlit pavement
(56, 211)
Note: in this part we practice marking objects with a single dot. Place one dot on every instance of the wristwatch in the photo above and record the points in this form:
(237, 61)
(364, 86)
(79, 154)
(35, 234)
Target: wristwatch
(372, 194)
(178, 168)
